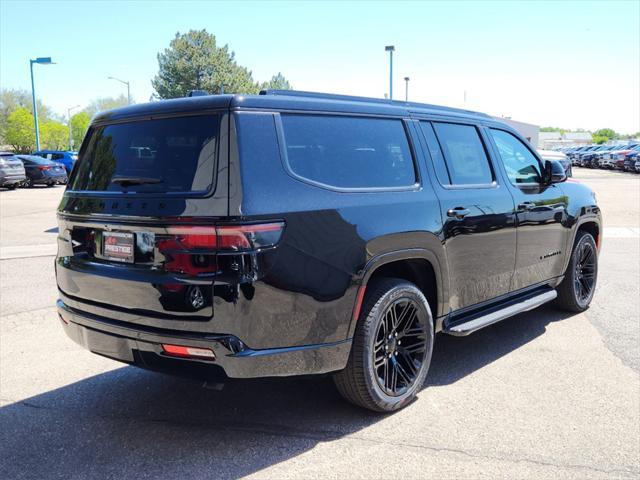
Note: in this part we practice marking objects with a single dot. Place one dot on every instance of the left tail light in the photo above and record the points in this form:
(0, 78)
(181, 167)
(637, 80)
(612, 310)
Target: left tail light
(192, 249)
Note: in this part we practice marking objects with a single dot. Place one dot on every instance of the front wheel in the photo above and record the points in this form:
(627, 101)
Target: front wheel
(579, 284)
(391, 350)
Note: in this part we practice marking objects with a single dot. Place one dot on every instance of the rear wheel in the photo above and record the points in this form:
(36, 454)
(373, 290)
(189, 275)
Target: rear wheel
(28, 183)
(576, 290)
(391, 350)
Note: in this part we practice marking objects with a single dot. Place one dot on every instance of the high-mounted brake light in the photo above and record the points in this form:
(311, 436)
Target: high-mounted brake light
(188, 352)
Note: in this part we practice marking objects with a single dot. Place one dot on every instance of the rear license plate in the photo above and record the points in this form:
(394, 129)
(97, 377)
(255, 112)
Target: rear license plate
(118, 246)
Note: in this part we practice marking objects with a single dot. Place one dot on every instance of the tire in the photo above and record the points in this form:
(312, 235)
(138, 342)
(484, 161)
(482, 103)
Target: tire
(360, 382)
(12, 186)
(50, 184)
(578, 286)
(28, 183)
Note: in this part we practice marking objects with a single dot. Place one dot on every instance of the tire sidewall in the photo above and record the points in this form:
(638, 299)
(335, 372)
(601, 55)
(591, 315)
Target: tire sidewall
(373, 319)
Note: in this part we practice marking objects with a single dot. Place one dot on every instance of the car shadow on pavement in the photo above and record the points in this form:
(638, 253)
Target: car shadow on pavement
(456, 357)
(128, 422)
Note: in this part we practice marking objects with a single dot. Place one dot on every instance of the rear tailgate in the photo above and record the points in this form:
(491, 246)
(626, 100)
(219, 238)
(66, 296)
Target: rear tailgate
(137, 188)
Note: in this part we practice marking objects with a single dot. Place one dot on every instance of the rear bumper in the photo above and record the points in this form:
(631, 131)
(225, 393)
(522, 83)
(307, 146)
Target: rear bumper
(142, 347)
(11, 179)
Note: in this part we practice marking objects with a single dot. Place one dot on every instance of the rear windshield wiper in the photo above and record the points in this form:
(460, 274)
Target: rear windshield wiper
(127, 181)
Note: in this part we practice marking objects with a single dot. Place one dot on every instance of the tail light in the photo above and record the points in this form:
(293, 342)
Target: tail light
(192, 250)
(44, 167)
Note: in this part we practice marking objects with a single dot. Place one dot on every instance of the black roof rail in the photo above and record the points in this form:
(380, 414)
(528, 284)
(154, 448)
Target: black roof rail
(354, 98)
(197, 93)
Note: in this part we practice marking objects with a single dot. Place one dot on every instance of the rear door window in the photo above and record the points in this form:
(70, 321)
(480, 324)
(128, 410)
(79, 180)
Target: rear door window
(349, 152)
(169, 155)
(465, 156)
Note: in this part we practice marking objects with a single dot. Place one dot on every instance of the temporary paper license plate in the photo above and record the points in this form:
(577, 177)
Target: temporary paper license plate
(118, 246)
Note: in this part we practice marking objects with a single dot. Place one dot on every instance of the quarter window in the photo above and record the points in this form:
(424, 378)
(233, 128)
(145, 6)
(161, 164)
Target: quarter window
(349, 152)
(466, 159)
(521, 165)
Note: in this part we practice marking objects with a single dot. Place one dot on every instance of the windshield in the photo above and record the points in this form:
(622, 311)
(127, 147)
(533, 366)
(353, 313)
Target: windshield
(150, 156)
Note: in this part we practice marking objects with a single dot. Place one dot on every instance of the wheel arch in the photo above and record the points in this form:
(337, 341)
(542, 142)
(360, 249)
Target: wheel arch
(417, 265)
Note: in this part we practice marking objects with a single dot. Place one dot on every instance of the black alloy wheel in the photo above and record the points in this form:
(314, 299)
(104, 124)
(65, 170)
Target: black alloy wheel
(400, 348)
(578, 286)
(585, 271)
(392, 347)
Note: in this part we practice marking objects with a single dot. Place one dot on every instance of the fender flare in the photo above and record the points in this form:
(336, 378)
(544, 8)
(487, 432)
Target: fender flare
(439, 268)
(588, 218)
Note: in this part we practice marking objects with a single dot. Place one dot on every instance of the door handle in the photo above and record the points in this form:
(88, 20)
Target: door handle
(525, 206)
(458, 212)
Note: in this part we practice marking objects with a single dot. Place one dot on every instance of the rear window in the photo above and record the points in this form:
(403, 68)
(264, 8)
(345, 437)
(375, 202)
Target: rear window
(349, 152)
(167, 155)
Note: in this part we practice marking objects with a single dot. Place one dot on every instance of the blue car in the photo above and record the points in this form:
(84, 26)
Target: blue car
(68, 159)
(40, 171)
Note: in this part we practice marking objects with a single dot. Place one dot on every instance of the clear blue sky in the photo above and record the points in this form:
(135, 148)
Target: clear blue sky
(568, 64)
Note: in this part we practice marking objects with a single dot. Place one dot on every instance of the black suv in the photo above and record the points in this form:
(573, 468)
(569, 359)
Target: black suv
(293, 233)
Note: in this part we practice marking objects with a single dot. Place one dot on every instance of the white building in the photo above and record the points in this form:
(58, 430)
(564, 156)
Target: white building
(527, 130)
(551, 140)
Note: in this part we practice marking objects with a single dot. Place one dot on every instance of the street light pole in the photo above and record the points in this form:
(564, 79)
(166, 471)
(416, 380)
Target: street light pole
(42, 61)
(128, 88)
(390, 49)
(69, 121)
(406, 89)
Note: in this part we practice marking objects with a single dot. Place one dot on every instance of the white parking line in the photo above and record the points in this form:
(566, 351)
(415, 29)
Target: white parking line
(621, 232)
(28, 251)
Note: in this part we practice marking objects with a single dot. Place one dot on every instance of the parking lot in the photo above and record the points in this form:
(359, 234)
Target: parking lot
(545, 394)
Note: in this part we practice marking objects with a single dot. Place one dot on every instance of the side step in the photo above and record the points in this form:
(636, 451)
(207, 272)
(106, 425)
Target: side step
(466, 327)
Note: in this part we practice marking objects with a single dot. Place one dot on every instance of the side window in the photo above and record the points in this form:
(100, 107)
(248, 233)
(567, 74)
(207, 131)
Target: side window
(465, 156)
(57, 156)
(349, 152)
(521, 165)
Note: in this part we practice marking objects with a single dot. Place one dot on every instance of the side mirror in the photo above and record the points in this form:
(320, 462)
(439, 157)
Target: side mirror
(554, 172)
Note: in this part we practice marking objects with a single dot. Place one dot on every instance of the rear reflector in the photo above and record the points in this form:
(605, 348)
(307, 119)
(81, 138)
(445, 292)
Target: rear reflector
(359, 299)
(188, 352)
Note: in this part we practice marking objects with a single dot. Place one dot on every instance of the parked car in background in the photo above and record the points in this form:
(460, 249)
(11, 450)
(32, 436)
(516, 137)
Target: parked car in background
(630, 159)
(11, 170)
(41, 171)
(558, 157)
(68, 159)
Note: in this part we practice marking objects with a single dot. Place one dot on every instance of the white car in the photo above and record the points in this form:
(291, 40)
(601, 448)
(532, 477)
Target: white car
(558, 157)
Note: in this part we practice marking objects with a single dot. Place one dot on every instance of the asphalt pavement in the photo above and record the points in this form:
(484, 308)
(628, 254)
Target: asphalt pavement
(545, 394)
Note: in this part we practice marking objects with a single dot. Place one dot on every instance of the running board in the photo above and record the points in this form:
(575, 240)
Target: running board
(470, 326)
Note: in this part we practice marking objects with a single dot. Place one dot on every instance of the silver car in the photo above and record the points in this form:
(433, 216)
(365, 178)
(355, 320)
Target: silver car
(11, 170)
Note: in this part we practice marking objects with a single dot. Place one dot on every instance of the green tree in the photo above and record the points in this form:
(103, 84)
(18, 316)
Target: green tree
(54, 135)
(604, 133)
(105, 103)
(194, 61)
(277, 82)
(19, 131)
(10, 100)
(79, 126)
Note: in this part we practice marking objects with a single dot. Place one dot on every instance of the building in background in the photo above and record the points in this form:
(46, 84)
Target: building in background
(551, 140)
(527, 130)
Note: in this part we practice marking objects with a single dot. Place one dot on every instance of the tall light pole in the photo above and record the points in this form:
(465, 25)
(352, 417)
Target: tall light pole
(41, 61)
(390, 49)
(406, 89)
(128, 88)
(69, 121)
